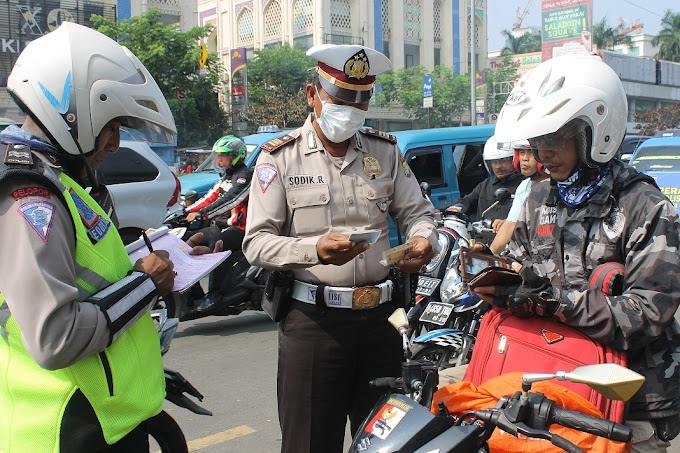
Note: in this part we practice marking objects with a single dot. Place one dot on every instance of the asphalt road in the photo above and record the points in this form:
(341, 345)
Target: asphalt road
(232, 361)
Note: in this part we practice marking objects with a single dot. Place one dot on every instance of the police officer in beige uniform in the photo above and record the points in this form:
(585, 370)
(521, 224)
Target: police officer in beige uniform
(312, 188)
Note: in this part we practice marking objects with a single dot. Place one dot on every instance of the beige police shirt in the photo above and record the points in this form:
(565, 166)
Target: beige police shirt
(38, 280)
(300, 192)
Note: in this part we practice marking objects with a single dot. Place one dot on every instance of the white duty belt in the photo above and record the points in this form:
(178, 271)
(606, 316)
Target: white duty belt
(361, 298)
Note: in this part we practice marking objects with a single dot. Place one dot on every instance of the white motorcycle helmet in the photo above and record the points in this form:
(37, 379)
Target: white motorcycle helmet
(580, 89)
(493, 152)
(74, 80)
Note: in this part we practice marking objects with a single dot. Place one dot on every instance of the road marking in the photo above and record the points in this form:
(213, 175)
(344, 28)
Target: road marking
(218, 438)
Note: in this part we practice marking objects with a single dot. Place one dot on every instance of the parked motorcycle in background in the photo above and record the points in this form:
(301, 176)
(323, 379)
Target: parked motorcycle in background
(163, 429)
(402, 422)
(446, 316)
(242, 285)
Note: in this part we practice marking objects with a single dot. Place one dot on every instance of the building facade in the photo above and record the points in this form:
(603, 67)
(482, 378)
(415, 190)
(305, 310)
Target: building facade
(409, 32)
(180, 12)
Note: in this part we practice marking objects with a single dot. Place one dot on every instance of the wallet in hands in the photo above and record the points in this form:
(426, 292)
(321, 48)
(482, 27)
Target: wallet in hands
(494, 276)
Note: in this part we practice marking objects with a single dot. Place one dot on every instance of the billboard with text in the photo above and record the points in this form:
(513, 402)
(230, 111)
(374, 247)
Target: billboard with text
(567, 27)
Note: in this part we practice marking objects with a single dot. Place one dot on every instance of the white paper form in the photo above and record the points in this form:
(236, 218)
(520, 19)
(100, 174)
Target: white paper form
(190, 268)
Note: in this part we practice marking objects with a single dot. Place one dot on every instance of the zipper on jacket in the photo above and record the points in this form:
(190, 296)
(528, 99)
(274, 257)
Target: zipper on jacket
(107, 371)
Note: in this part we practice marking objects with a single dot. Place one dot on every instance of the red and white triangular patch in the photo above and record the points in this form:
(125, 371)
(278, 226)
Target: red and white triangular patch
(551, 337)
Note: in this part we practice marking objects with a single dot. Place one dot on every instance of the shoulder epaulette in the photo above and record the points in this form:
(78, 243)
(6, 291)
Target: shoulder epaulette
(379, 134)
(273, 145)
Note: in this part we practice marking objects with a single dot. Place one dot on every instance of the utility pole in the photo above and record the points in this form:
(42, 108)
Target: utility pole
(473, 68)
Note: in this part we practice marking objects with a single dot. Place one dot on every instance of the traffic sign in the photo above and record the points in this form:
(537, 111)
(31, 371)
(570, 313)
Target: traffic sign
(494, 118)
(427, 86)
(427, 102)
(181, 94)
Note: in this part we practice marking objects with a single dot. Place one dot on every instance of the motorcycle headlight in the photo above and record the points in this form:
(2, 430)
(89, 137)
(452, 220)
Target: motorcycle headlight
(439, 257)
(452, 286)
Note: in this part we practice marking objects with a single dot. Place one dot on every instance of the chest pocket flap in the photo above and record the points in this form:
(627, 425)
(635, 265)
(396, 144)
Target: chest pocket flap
(378, 190)
(306, 197)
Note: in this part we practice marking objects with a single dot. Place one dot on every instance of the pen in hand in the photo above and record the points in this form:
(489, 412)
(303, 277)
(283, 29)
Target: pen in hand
(147, 241)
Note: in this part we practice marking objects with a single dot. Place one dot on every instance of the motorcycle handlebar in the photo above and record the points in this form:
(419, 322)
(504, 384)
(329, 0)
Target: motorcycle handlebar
(393, 383)
(590, 424)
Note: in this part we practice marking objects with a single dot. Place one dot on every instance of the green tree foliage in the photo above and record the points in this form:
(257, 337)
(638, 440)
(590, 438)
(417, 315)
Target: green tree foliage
(606, 37)
(276, 87)
(499, 84)
(451, 94)
(171, 56)
(526, 43)
(669, 37)
(660, 119)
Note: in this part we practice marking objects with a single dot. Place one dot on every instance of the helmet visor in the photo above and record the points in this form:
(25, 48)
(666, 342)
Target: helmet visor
(152, 132)
(557, 140)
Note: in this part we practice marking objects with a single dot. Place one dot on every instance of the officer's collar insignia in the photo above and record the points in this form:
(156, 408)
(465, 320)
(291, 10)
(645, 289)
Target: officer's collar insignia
(372, 167)
(39, 215)
(404, 165)
(357, 67)
(273, 145)
(311, 140)
(18, 154)
(265, 175)
(379, 134)
(97, 226)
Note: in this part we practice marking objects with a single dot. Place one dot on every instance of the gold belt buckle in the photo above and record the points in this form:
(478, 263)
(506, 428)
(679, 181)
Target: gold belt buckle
(365, 298)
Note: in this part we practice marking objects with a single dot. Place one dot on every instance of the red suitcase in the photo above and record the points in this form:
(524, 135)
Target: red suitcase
(506, 343)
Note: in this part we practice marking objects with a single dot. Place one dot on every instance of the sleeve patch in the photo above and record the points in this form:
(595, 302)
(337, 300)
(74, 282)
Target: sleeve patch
(265, 175)
(380, 134)
(32, 191)
(39, 215)
(273, 145)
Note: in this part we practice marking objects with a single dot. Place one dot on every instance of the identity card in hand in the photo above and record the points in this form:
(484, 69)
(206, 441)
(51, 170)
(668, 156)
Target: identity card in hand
(370, 236)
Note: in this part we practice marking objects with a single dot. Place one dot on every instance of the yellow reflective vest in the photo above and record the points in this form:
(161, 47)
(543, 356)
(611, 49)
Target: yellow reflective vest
(121, 386)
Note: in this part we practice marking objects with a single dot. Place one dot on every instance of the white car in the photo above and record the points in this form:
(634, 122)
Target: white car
(142, 186)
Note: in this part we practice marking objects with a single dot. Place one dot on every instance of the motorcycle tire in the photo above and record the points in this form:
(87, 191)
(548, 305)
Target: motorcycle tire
(170, 304)
(167, 434)
(442, 356)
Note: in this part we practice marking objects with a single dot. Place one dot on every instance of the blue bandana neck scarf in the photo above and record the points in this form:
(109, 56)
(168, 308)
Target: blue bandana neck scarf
(573, 195)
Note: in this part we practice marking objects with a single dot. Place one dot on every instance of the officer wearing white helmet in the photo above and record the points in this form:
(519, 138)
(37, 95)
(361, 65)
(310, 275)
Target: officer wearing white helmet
(498, 162)
(80, 364)
(596, 211)
(312, 188)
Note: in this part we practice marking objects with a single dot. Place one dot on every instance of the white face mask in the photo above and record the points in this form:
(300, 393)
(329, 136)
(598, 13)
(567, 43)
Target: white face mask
(339, 122)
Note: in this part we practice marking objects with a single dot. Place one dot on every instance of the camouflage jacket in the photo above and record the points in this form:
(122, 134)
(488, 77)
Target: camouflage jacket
(633, 224)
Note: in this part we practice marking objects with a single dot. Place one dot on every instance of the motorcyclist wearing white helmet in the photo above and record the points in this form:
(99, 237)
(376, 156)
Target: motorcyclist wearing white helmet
(596, 210)
(80, 363)
(498, 162)
(526, 164)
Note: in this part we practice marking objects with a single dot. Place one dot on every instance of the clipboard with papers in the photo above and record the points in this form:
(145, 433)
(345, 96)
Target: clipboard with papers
(190, 268)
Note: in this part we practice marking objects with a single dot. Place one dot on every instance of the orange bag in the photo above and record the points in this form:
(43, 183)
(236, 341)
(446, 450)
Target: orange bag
(465, 396)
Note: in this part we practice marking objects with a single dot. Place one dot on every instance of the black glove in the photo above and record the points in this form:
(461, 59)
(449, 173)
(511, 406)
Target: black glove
(533, 297)
(667, 428)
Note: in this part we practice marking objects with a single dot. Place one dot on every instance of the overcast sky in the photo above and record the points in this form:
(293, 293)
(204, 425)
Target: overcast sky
(502, 14)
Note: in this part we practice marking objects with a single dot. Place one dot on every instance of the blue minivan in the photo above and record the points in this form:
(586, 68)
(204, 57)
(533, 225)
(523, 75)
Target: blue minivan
(660, 159)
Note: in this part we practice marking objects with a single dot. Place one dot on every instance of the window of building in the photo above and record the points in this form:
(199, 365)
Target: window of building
(303, 42)
(644, 105)
(437, 16)
(272, 22)
(386, 48)
(303, 18)
(246, 27)
(411, 55)
(385, 9)
(411, 20)
(341, 16)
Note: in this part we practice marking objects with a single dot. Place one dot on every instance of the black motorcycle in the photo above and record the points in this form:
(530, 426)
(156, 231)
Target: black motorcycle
(242, 285)
(163, 428)
(402, 422)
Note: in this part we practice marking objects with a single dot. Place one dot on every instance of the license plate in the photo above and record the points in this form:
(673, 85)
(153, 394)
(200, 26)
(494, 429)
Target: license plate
(437, 313)
(427, 285)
